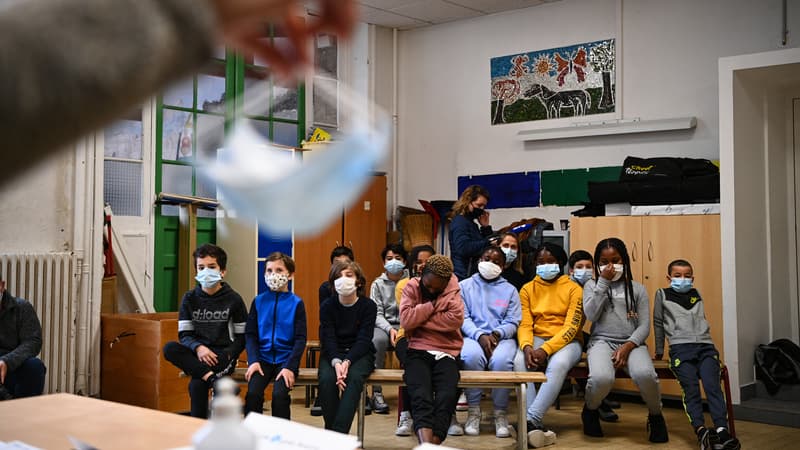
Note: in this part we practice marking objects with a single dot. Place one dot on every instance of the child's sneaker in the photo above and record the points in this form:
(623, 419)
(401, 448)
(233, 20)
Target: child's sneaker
(606, 413)
(658, 428)
(379, 405)
(501, 424)
(591, 422)
(316, 408)
(405, 425)
(462, 404)
(473, 425)
(4, 393)
(539, 436)
(725, 441)
(704, 438)
(455, 428)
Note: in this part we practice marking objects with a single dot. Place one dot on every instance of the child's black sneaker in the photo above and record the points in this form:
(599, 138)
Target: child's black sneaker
(606, 413)
(591, 422)
(316, 409)
(704, 438)
(725, 441)
(4, 393)
(658, 428)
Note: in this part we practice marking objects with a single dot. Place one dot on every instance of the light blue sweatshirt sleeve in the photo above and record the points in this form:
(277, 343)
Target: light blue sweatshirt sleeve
(469, 295)
(508, 327)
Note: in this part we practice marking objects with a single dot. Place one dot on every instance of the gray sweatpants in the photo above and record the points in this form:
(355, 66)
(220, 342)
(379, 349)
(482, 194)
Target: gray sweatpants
(602, 374)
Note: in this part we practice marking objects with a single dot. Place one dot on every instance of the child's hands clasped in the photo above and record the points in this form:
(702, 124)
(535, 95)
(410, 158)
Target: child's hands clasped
(341, 374)
(535, 359)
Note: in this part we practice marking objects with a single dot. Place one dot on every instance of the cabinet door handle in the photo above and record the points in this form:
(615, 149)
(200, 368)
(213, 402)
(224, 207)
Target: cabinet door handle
(633, 253)
(649, 250)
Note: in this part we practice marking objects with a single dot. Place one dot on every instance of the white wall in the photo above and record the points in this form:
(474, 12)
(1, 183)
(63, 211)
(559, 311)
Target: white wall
(37, 208)
(668, 62)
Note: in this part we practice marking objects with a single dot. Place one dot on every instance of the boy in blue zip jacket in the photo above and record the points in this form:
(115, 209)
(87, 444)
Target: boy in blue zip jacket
(275, 337)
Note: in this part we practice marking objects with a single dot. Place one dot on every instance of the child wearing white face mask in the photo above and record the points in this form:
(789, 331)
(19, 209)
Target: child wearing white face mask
(491, 318)
(347, 322)
(620, 313)
(207, 350)
(679, 316)
(387, 322)
(275, 338)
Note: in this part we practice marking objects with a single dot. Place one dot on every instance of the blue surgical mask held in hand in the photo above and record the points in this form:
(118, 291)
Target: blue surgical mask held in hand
(394, 267)
(262, 183)
(511, 254)
(548, 271)
(208, 278)
(489, 270)
(582, 275)
(681, 285)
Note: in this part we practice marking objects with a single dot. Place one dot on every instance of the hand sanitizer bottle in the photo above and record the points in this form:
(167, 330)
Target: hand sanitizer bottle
(225, 430)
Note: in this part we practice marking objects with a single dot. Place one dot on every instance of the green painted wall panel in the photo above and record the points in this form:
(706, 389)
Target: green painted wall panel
(569, 187)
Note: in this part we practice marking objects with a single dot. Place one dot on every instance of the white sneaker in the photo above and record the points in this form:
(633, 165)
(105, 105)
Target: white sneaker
(473, 425)
(462, 404)
(406, 425)
(455, 427)
(501, 424)
(541, 438)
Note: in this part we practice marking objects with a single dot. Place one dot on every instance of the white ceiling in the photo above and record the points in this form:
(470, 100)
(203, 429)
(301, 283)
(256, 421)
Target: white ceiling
(408, 14)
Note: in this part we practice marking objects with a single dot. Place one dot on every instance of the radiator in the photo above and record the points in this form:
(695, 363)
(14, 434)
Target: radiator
(50, 283)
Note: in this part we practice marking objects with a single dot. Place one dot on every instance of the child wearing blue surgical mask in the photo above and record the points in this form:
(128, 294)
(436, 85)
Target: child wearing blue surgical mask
(211, 325)
(512, 271)
(581, 268)
(679, 316)
(387, 321)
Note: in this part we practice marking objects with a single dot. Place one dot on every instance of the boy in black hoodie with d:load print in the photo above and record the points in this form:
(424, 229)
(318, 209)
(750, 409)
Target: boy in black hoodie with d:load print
(211, 325)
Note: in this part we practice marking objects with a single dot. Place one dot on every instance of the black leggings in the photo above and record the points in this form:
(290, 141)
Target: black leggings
(281, 400)
(433, 387)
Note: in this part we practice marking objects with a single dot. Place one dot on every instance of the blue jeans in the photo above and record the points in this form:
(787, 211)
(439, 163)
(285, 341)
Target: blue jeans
(502, 360)
(27, 380)
(558, 364)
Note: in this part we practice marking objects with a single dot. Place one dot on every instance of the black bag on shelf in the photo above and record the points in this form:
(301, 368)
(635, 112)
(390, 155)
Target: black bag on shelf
(636, 170)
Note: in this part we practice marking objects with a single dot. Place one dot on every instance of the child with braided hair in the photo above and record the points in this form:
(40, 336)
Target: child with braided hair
(619, 310)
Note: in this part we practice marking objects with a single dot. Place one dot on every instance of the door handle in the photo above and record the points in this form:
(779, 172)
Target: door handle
(633, 253)
(649, 250)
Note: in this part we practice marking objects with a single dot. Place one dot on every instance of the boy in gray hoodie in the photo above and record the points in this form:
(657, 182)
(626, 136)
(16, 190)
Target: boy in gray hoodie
(678, 315)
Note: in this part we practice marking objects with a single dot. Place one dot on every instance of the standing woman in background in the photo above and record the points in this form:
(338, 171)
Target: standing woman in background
(468, 240)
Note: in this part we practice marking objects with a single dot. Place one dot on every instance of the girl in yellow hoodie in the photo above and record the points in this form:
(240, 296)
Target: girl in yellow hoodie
(549, 335)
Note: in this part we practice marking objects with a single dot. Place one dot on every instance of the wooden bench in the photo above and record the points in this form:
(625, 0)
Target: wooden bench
(469, 379)
(581, 372)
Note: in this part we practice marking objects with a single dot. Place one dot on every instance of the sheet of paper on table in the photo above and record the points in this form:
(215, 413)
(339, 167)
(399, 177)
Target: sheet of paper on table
(281, 434)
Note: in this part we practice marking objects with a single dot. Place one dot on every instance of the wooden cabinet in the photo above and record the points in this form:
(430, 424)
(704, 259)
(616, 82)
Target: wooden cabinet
(653, 242)
(133, 368)
(362, 227)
